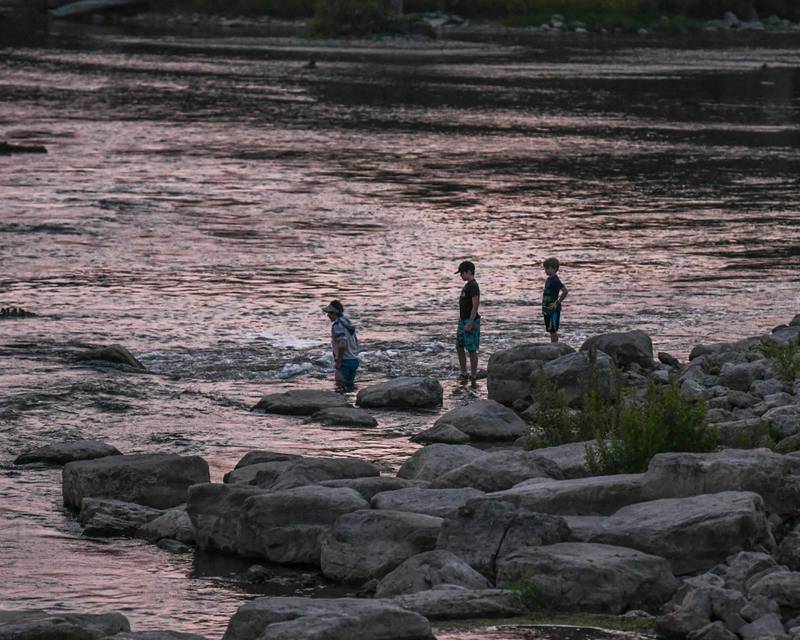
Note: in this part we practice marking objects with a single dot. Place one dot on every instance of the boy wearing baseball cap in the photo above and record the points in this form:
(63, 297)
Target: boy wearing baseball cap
(468, 334)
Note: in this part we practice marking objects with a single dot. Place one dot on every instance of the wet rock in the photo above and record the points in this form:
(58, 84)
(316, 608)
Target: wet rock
(308, 471)
(402, 393)
(288, 526)
(9, 148)
(36, 624)
(674, 475)
(433, 502)
(590, 577)
(483, 532)
(215, 511)
(429, 570)
(317, 618)
(155, 480)
(112, 354)
(692, 533)
(174, 546)
(669, 360)
(443, 433)
(458, 604)
(368, 487)
(369, 544)
(259, 456)
(300, 402)
(175, 524)
(485, 420)
(102, 517)
(509, 371)
(59, 453)
(498, 470)
(345, 417)
(598, 495)
(249, 474)
(573, 372)
(434, 460)
(625, 348)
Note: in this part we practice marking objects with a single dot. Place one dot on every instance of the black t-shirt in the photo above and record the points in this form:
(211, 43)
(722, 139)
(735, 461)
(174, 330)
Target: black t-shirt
(469, 291)
(552, 287)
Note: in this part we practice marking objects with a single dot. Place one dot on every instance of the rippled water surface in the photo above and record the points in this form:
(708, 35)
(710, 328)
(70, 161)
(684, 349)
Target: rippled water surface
(201, 198)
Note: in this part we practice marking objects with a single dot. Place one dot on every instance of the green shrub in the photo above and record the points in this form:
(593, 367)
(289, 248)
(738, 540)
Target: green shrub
(785, 360)
(666, 420)
(553, 422)
(528, 592)
(348, 18)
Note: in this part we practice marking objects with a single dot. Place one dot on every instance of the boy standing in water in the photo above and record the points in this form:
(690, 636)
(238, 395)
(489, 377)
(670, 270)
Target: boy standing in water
(345, 345)
(552, 297)
(468, 335)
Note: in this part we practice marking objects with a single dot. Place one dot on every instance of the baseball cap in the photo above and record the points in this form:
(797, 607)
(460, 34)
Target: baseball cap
(334, 307)
(466, 266)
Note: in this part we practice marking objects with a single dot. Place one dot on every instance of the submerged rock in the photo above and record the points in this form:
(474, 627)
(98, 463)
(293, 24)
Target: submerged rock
(38, 624)
(300, 402)
(345, 416)
(102, 517)
(113, 354)
(62, 452)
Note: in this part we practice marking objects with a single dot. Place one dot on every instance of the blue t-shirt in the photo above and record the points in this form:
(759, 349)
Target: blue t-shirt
(552, 287)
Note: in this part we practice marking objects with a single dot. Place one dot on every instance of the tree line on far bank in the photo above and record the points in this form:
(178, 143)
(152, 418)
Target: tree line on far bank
(510, 11)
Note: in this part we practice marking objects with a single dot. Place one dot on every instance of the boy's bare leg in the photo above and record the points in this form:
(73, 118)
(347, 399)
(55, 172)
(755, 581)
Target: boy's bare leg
(462, 360)
(554, 336)
(473, 364)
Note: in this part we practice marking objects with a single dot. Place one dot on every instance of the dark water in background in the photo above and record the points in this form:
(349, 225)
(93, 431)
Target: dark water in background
(203, 197)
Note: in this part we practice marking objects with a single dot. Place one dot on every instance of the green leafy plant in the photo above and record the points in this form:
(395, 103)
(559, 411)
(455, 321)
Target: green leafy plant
(528, 591)
(665, 420)
(552, 421)
(785, 360)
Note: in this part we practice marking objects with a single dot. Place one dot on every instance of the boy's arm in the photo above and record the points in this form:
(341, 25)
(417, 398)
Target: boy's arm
(562, 295)
(476, 302)
(339, 348)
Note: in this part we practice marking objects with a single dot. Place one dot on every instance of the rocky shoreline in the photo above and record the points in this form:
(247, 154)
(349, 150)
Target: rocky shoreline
(473, 525)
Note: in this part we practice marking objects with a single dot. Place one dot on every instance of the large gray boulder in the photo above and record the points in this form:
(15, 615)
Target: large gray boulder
(497, 470)
(598, 495)
(307, 471)
(484, 420)
(509, 371)
(781, 586)
(369, 487)
(429, 570)
(59, 453)
(155, 480)
(459, 604)
(258, 456)
(103, 517)
(740, 376)
(483, 532)
(37, 624)
(249, 473)
(369, 544)
(433, 502)
(402, 393)
(215, 511)
(288, 526)
(573, 373)
(174, 524)
(321, 619)
(443, 433)
(693, 533)
(676, 475)
(570, 458)
(580, 577)
(625, 348)
(300, 402)
(434, 460)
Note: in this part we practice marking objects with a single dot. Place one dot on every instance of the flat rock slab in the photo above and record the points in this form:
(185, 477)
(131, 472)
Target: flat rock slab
(429, 570)
(369, 487)
(459, 604)
(498, 469)
(570, 458)
(599, 495)
(345, 417)
(308, 471)
(36, 624)
(485, 420)
(434, 460)
(599, 578)
(288, 526)
(433, 502)
(402, 393)
(300, 402)
(317, 619)
(693, 533)
(369, 544)
(156, 480)
(444, 433)
(59, 453)
(102, 517)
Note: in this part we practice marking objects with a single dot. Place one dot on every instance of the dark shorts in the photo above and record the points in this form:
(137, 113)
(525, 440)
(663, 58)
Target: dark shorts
(551, 321)
(348, 369)
(469, 340)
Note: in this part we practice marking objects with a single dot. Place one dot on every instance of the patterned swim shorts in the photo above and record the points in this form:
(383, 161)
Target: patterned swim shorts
(469, 340)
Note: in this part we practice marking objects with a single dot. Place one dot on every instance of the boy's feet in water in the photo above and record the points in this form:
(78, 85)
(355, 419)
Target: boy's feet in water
(473, 381)
(463, 378)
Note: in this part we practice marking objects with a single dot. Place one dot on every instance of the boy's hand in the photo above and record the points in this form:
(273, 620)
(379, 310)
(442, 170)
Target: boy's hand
(468, 327)
(554, 305)
(337, 364)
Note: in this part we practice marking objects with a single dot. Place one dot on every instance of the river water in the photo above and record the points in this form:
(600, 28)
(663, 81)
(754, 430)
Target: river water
(203, 196)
